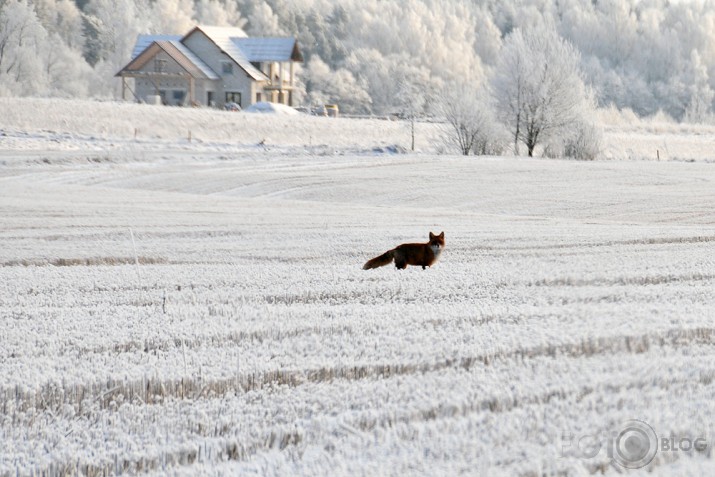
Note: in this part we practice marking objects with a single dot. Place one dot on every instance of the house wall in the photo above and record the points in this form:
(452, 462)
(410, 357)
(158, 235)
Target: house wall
(174, 91)
(237, 81)
(146, 89)
(201, 89)
(270, 91)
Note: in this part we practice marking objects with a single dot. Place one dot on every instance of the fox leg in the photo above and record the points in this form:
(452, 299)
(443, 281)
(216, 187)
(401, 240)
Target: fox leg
(400, 260)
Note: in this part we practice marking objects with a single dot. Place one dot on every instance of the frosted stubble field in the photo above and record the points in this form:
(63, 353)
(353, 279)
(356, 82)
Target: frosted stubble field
(200, 308)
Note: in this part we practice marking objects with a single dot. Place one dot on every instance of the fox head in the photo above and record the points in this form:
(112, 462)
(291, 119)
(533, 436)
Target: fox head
(436, 241)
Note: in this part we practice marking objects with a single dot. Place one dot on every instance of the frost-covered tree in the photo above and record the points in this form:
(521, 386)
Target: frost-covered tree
(385, 77)
(64, 18)
(112, 26)
(219, 13)
(701, 94)
(412, 100)
(171, 16)
(262, 21)
(66, 72)
(537, 86)
(326, 86)
(21, 39)
(469, 125)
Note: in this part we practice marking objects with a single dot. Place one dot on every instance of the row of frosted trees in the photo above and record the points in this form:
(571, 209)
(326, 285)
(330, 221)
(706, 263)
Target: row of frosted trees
(535, 97)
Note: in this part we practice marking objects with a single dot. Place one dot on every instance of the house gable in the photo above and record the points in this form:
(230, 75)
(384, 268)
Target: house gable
(223, 39)
(178, 60)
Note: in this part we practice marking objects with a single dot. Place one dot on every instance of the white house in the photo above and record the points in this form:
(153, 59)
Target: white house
(211, 66)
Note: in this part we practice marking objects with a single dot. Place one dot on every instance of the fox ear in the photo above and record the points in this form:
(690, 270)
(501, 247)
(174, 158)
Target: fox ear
(431, 235)
(441, 235)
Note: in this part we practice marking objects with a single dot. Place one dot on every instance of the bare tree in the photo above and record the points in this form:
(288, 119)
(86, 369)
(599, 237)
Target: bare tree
(469, 123)
(411, 102)
(701, 94)
(538, 88)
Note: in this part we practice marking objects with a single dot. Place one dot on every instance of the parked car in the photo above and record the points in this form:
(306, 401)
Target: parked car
(232, 106)
(330, 110)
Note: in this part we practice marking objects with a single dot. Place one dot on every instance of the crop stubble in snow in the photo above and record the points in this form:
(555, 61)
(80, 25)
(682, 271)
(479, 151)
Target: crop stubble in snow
(239, 333)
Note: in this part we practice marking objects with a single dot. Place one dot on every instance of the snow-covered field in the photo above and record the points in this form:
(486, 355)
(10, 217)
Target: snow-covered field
(190, 307)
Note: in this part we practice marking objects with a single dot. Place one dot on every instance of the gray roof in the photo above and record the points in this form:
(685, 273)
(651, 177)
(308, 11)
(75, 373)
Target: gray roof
(143, 41)
(266, 49)
(224, 38)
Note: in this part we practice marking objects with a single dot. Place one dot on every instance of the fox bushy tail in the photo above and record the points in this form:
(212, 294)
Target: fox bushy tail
(384, 259)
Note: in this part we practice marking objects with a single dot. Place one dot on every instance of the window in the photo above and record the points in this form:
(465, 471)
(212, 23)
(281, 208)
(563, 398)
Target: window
(159, 65)
(179, 95)
(233, 97)
(227, 67)
(258, 97)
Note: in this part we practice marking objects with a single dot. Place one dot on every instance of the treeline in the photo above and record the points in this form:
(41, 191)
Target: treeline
(646, 55)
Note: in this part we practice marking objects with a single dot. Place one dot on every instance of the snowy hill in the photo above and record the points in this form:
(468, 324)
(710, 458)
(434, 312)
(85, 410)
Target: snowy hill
(56, 124)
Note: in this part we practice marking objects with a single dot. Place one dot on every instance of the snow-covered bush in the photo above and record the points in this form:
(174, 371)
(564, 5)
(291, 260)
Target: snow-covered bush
(584, 142)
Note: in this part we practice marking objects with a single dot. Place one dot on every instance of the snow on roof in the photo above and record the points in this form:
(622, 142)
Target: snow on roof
(222, 32)
(271, 108)
(224, 37)
(143, 41)
(266, 49)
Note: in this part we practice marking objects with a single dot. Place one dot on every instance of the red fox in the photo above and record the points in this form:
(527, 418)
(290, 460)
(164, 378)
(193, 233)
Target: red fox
(419, 254)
